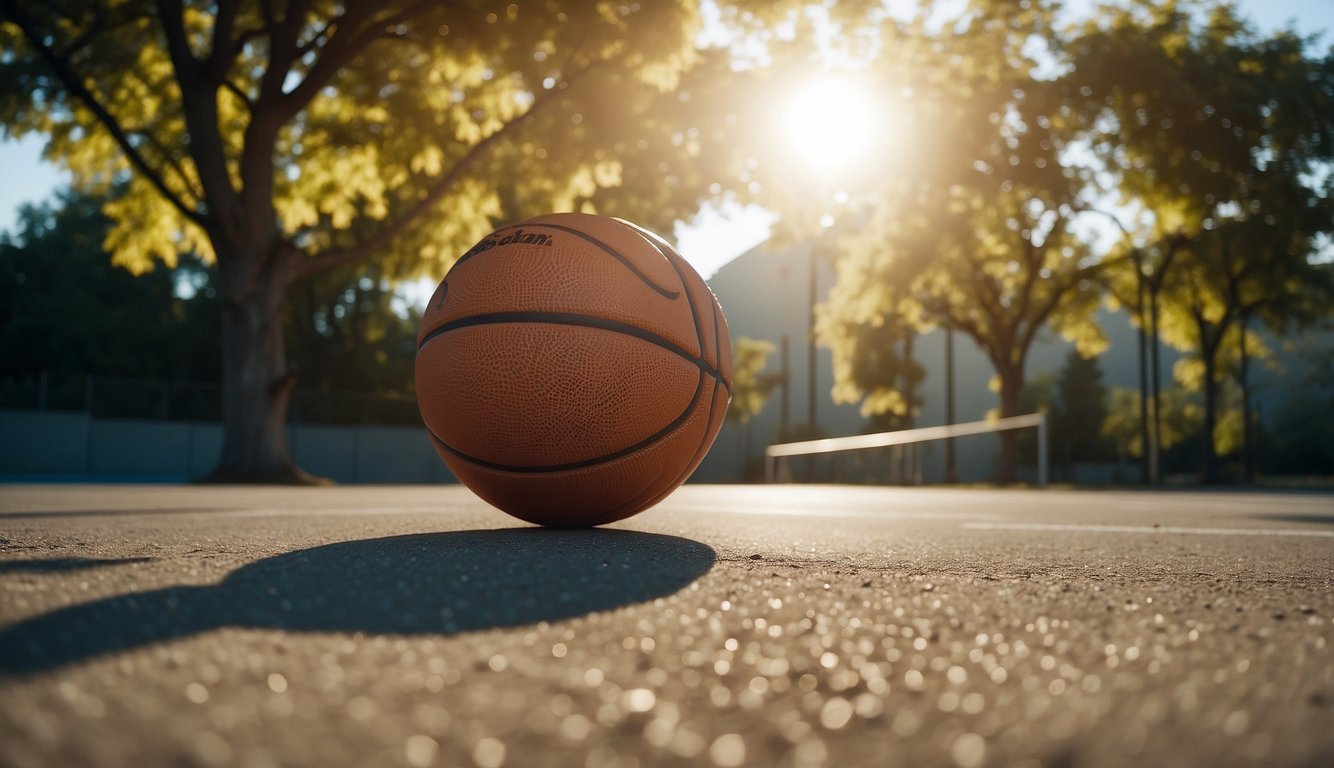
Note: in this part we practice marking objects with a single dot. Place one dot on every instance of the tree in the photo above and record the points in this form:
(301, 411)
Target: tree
(1220, 136)
(751, 386)
(66, 311)
(282, 139)
(872, 342)
(348, 331)
(1297, 442)
(1181, 418)
(972, 230)
(1077, 425)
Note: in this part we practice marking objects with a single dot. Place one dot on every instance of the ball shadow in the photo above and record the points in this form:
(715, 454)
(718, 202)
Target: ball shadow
(437, 583)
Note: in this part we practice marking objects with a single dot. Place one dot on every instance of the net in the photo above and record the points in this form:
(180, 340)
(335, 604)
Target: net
(776, 453)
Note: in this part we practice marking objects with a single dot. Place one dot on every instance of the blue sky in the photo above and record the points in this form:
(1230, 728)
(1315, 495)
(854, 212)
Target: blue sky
(718, 234)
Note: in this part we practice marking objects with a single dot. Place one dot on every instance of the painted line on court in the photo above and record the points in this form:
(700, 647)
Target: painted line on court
(883, 514)
(1070, 527)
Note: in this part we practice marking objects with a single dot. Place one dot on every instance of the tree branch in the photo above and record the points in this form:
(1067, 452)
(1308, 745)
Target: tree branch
(987, 293)
(224, 24)
(338, 256)
(319, 38)
(944, 309)
(171, 160)
(338, 51)
(240, 94)
(282, 49)
(75, 85)
(1175, 243)
(178, 47)
(199, 105)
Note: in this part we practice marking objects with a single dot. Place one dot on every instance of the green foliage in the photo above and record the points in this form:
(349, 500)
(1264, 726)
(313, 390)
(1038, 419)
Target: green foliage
(1077, 405)
(348, 332)
(1182, 419)
(65, 310)
(1077, 424)
(280, 140)
(341, 120)
(751, 386)
(873, 361)
(969, 228)
(1222, 138)
(1297, 438)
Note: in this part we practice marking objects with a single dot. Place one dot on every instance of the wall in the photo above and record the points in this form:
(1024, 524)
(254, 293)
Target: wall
(54, 446)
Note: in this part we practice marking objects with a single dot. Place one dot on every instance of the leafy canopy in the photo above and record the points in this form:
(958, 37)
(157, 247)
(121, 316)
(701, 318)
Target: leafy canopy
(400, 128)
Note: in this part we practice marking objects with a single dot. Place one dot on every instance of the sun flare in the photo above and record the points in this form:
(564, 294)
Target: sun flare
(830, 123)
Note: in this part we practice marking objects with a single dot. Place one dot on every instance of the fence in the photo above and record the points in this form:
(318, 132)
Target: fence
(113, 397)
(111, 429)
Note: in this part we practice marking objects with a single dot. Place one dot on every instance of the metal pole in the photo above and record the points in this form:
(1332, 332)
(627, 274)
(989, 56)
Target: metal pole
(810, 348)
(1156, 438)
(1042, 450)
(768, 468)
(787, 386)
(1146, 462)
(951, 465)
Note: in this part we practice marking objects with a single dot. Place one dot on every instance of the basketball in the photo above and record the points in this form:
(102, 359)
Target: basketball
(573, 369)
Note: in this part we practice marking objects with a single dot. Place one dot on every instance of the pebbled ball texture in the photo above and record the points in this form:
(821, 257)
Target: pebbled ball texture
(573, 369)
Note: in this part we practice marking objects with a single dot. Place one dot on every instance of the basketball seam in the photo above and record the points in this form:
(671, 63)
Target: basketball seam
(603, 459)
(665, 293)
(584, 321)
(716, 311)
(619, 513)
(699, 329)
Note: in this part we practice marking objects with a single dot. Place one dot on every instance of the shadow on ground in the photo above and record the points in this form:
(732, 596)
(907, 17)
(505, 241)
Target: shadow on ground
(64, 564)
(1311, 519)
(438, 583)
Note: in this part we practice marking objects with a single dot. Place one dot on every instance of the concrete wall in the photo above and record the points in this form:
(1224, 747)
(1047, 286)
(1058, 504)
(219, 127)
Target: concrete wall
(54, 446)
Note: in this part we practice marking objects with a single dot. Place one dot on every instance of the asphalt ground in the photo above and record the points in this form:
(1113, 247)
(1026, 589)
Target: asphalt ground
(767, 626)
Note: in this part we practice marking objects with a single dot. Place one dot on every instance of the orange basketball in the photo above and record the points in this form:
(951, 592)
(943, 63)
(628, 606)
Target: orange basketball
(573, 369)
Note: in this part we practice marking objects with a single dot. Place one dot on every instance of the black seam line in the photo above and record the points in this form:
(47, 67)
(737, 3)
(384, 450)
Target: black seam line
(685, 286)
(655, 437)
(583, 321)
(682, 476)
(666, 294)
(716, 312)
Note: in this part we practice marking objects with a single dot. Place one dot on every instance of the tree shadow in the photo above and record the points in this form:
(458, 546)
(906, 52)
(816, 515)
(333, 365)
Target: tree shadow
(65, 564)
(1314, 519)
(436, 583)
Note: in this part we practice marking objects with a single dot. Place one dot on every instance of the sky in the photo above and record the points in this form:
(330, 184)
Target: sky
(716, 236)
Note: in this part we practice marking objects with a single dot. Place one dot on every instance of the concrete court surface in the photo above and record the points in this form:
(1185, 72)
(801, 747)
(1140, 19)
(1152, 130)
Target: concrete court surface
(766, 626)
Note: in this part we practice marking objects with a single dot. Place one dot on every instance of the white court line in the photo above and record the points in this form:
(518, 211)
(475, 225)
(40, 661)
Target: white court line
(1148, 529)
(854, 512)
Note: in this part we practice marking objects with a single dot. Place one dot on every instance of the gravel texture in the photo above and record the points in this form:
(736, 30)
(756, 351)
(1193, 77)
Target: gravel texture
(729, 626)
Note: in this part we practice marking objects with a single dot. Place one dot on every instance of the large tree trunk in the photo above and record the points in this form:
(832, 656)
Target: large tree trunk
(256, 383)
(1012, 381)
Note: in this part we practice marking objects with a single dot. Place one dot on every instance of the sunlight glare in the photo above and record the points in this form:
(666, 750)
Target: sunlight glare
(829, 123)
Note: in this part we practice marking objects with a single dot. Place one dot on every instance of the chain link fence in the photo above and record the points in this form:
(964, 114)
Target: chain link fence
(112, 397)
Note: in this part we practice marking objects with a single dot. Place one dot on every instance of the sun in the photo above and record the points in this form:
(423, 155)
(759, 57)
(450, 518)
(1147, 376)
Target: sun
(829, 123)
